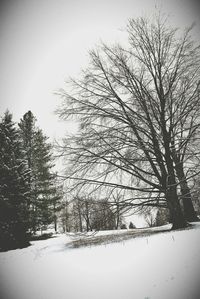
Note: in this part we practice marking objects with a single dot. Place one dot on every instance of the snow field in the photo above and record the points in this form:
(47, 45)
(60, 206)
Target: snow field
(161, 266)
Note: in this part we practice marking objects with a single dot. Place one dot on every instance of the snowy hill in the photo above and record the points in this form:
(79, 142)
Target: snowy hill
(159, 266)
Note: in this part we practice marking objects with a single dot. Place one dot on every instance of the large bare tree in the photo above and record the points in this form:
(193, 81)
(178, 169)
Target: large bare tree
(138, 112)
(174, 65)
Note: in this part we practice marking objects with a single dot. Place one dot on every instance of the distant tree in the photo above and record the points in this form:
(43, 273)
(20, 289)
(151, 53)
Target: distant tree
(77, 214)
(83, 211)
(87, 214)
(117, 204)
(149, 216)
(131, 225)
(65, 217)
(87, 210)
(14, 191)
(104, 217)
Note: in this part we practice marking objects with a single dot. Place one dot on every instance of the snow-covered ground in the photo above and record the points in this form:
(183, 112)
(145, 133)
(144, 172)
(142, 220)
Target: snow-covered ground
(160, 266)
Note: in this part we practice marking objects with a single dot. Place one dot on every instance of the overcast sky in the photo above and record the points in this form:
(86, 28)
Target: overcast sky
(45, 41)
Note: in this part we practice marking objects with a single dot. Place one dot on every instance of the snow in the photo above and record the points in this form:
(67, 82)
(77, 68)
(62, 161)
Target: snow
(160, 266)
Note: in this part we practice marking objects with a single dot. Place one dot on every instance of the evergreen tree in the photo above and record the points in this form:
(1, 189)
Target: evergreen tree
(43, 180)
(13, 188)
(27, 134)
(131, 225)
(42, 187)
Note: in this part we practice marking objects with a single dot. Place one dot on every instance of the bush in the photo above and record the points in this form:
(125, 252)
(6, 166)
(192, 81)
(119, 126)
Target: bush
(41, 237)
(123, 226)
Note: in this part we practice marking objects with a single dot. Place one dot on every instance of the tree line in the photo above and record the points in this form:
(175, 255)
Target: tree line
(138, 111)
(84, 214)
(30, 195)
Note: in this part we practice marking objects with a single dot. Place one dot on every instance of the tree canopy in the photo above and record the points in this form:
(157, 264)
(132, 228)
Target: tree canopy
(138, 109)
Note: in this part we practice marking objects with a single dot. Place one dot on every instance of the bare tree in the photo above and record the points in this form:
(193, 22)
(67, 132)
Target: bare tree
(176, 79)
(117, 202)
(88, 214)
(64, 217)
(149, 217)
(103, 217)
(77, 214)
(131, 105)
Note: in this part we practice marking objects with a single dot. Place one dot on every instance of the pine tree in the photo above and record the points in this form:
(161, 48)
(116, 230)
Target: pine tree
(131, 225)
(13, 188)
(27, 132)
(41, 179)
(27, 129)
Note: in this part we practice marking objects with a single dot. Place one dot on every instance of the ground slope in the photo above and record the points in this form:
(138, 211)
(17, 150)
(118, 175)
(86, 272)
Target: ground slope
(160, 266)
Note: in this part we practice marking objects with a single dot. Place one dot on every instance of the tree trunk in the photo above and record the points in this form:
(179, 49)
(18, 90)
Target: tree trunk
(189, 212)
(188, 207)
(176, 215)
(55, 224)
(117, 216)
(88, 228)
(80, 219)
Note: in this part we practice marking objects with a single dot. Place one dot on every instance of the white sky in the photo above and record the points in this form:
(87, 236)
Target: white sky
(45, 41)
